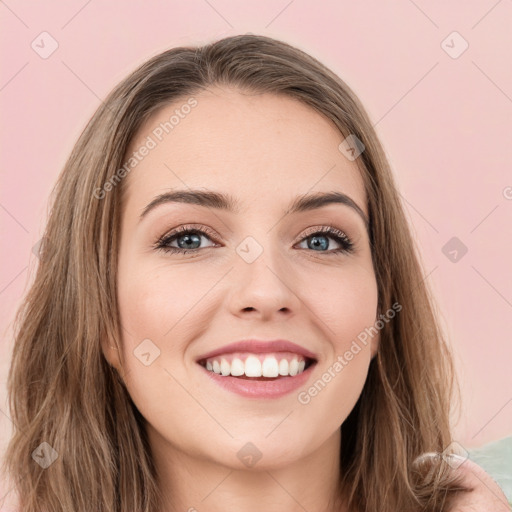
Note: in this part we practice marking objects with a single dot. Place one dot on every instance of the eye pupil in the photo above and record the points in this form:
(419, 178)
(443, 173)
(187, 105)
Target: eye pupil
(188, 238)
(315, 242)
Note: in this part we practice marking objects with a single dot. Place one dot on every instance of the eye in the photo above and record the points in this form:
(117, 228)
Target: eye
(187, 238)
(320, 240)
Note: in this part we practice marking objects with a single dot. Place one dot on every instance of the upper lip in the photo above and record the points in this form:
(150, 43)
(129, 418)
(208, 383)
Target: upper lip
(260, 347)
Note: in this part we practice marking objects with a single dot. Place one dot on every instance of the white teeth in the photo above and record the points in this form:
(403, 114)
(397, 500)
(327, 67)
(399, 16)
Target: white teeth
(237, 367)
(270, 368)
(256, 366)
(252, 367)
(283, 367)
(225, 367)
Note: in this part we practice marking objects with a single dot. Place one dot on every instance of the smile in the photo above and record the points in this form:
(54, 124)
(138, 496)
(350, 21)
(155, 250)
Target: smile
(247, 365)
(259, 369)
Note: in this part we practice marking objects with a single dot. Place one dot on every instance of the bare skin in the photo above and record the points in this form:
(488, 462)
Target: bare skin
(486, 495)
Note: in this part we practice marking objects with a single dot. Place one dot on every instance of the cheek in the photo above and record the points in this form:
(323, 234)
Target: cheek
(161, 308)
(346, 304)
(345, 301)
(156, 302)
(153, 317)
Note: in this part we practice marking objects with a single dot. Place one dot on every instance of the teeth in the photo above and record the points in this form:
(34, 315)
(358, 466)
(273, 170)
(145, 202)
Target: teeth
(252, 367)
(225, 367)
(237, 367)
(283, 367)
(257, 365)
(294, 367)
(270, 368)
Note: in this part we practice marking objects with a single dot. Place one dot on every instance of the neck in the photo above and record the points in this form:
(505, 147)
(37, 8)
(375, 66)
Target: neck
(194, 484)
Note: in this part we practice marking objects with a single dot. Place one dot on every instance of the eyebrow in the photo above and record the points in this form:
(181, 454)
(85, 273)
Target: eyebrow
(226, 202)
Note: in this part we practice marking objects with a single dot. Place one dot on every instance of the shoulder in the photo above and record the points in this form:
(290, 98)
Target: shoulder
(486, 494)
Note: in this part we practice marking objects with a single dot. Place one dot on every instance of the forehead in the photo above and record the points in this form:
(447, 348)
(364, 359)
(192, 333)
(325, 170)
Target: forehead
(256, 147)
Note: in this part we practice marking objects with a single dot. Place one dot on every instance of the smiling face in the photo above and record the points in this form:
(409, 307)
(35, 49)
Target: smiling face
(251, 271)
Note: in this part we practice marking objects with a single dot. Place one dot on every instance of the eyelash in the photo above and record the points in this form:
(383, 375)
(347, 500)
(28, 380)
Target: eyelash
(339, 236)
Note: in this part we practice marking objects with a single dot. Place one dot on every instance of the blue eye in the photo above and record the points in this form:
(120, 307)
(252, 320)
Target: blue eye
(188, 240)
(320, 240)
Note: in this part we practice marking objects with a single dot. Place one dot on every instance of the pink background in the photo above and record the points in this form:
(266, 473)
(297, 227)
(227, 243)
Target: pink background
(445, 123)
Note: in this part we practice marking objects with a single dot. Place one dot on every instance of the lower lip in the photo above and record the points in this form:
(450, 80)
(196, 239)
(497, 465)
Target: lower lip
(261, 388)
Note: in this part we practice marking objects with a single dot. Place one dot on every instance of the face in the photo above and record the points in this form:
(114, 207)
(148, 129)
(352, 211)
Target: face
(252, 272)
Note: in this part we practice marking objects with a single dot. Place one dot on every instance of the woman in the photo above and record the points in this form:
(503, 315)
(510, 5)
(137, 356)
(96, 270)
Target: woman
(229, 312)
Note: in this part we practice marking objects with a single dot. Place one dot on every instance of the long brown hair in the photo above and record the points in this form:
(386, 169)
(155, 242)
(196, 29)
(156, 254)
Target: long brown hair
(63, 392)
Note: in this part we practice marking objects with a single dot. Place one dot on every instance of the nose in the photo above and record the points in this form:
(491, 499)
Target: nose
(263, 288)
